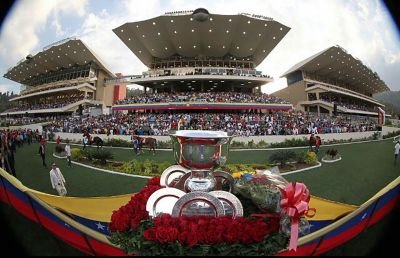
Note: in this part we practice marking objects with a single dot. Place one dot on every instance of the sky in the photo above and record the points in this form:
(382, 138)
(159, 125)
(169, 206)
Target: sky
(364, 28)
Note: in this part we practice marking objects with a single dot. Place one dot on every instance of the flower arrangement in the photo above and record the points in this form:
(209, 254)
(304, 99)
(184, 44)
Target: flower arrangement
(137, 233)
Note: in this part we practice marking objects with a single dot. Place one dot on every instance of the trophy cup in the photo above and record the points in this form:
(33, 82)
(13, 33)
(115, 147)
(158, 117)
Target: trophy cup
(196, 187)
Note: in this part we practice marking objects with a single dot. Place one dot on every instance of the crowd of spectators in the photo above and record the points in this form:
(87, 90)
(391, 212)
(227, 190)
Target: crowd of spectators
(59, 102)
(241, 124)
(224, 97)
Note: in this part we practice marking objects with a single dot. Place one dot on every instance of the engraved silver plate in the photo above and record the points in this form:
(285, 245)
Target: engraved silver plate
(224, 180)
(232, 205)
(172, 173)
(198, 203)
(162, 201)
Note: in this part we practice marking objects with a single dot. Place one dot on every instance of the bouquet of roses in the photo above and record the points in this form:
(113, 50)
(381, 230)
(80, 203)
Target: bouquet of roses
(263, 189)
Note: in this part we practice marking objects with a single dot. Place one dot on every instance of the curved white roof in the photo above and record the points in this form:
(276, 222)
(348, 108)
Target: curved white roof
(243, 36)
(62, 54)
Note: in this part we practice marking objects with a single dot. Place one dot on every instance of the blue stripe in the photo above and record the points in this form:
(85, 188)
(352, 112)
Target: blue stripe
(49, 215)
(99, 226)
(16, 192)
(387, 197)
(352, 222)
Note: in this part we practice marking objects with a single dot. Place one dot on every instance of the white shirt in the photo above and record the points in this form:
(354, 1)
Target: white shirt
(397, 148)
(68, 149)
(56, 177)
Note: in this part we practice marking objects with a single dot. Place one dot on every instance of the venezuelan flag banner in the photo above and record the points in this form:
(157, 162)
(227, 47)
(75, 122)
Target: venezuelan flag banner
(83, 222)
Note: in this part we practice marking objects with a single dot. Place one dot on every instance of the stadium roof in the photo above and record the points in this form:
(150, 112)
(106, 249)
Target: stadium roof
(198, 33)
(336, 64)
(62, 54)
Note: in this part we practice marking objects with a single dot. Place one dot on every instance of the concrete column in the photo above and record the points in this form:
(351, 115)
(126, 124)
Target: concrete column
(318, 110)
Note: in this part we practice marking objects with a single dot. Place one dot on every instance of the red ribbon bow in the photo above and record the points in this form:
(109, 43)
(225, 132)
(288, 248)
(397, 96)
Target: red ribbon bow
(295, 205)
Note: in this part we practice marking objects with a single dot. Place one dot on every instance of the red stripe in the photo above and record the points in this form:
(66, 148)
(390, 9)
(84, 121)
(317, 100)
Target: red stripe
(74, 239)
(3, 195)
(103, 249)
(379, 214)
(332, 242)
(21, 206)
(304, 250)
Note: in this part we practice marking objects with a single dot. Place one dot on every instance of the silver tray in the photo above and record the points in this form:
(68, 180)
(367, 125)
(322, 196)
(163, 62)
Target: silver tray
(198, 203)
(162, 201)
(232, 205)
(172, 173)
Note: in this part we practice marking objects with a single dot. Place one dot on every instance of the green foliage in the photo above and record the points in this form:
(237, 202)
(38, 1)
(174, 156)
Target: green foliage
(102, 155)
(282, 157)
(388, 122)
(251, 144)
(59, 149)
(235, 144)
(332, 152)
(164, 145)
(311, 158)
(51, 136)
(391, 134)
(76, 154)
(262, 144)
(292, 142)
(145, 168)
(300, 156)
(117, 143)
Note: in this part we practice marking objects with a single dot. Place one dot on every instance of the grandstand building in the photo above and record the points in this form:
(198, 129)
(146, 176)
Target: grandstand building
(64, 77)
(198, 52)
(333, 81)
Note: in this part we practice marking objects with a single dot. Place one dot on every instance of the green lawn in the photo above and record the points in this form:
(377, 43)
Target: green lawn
(81, 181)
(364, 169)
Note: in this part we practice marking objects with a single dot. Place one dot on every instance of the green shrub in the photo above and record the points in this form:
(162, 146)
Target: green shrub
(311, 158)
(300, 156)
(391, 134)
(332, 153)
(51, 136)
(262, 144)
(76, 154)
(292, 142)
(163, 166)
(117, 143)
(282, 157)
(59, 149)
(251, 144)
(235, 144)
(88, 153)
(102, 155)
(164, 145)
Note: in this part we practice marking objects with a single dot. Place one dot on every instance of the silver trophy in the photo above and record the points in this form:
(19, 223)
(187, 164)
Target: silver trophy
(199, 187)
(200, 152)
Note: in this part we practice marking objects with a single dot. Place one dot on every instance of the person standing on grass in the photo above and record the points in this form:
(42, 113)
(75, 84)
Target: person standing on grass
(42, 152)
(68, 152)
(57, 180)
(396, 151)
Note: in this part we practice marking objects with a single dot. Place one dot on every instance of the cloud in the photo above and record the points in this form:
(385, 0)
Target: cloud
(10, 88)
(362, 27)
(19, 35)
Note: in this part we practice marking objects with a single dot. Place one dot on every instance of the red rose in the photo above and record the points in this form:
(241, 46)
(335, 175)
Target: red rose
(154, 181)
(167, 234)
(150, 234)
(119, 222)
